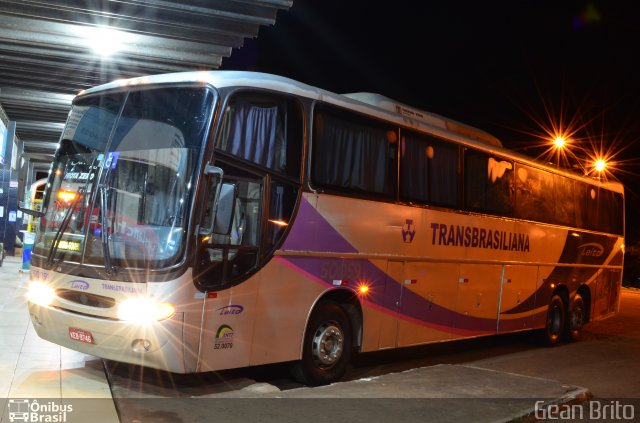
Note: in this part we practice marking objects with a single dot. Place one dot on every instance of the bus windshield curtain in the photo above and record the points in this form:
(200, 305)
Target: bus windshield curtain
(252, 132)
(351, 156)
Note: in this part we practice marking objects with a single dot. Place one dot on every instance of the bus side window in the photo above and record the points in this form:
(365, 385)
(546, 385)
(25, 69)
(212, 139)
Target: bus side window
(265, 130)
(428, 170)
(535, 194)
(354, 154)
(488, 183)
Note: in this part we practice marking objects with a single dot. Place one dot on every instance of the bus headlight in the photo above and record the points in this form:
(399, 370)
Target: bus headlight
(40, 293)
(144, 310)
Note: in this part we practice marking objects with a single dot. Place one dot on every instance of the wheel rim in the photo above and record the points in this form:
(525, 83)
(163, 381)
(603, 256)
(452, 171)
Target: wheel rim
(554, 322)
(328, 344)
(577, 318)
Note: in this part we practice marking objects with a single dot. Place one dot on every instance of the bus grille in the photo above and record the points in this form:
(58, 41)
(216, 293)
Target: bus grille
(85, 298)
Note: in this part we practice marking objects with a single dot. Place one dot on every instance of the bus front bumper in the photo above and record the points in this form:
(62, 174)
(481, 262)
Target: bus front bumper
(157, 345)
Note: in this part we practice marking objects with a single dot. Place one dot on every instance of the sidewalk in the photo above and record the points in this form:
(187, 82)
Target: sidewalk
(32, 368)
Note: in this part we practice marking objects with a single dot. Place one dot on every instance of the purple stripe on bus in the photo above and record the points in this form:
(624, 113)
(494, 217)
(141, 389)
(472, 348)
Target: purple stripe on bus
(312, 232)
(414, 306)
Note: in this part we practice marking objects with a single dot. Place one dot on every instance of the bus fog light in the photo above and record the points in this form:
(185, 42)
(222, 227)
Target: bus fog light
(40, 293)
(141, 345)
(144, 310)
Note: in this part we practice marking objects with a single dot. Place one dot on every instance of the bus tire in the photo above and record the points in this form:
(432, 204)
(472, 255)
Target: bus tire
(327, 346)
(555, 322)
(575, 320)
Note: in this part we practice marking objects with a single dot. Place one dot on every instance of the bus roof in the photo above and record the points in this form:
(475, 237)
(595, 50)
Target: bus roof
(369, 103)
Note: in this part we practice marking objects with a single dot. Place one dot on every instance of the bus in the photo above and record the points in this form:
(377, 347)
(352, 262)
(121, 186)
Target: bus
(201, 221)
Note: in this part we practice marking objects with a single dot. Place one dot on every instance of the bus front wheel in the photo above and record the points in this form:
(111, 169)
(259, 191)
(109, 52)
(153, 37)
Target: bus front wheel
(576, 318)
(327, 346)
(555, 322)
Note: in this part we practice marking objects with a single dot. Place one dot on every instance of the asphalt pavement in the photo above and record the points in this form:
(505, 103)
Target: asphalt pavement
(442, 393)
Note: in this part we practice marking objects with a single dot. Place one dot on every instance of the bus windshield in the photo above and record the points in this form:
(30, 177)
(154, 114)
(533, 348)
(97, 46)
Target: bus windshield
(122, 179)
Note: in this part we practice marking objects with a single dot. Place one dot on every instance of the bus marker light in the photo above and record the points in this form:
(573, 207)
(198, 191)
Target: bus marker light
(67, 196)
(410, 281)
(212, 295)
(363, 289)
(340, 282)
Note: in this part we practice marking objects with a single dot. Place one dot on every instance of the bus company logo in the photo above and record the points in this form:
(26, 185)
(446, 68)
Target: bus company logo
(592, 249)
(224, 338)
(408, 231)
(231, 310)
(79, 285)
(25, 410)
(224, 332)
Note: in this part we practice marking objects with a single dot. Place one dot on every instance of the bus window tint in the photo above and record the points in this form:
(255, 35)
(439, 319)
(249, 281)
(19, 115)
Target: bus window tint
(355, 154)
(428, 170)
(565, 204)
(265, 130)
(614, 204)
(534, 194)
(603, 209)
(488, 183)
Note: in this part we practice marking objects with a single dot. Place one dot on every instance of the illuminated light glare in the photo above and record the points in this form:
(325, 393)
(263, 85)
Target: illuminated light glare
(144, 310)
(600, 165)
(40, 293)
(67, 196)
(560, 142)
(104, 41)
(278, 222)
(363, 289)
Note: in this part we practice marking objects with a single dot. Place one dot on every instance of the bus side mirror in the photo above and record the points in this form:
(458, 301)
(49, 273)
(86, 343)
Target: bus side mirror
(224, 211)
(30, 212)
(220, 205)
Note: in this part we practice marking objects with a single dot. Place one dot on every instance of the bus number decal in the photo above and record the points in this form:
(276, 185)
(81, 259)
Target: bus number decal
(335, 269)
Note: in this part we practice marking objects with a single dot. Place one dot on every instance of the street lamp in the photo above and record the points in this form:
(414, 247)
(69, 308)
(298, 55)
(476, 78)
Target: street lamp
(600, 165)
(559, 143)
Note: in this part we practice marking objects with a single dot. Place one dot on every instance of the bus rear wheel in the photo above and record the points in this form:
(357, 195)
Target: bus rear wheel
(555, 322)
(576, 319)
(327, 346)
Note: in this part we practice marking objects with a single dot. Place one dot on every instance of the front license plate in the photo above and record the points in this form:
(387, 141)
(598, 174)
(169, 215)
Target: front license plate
(81, 335)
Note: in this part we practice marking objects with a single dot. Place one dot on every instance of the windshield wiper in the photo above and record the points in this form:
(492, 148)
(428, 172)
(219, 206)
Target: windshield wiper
(63, 227)
(67, 217)
(108, 268)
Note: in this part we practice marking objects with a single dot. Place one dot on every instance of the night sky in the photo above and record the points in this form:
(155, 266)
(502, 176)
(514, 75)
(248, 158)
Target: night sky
(520, 70)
